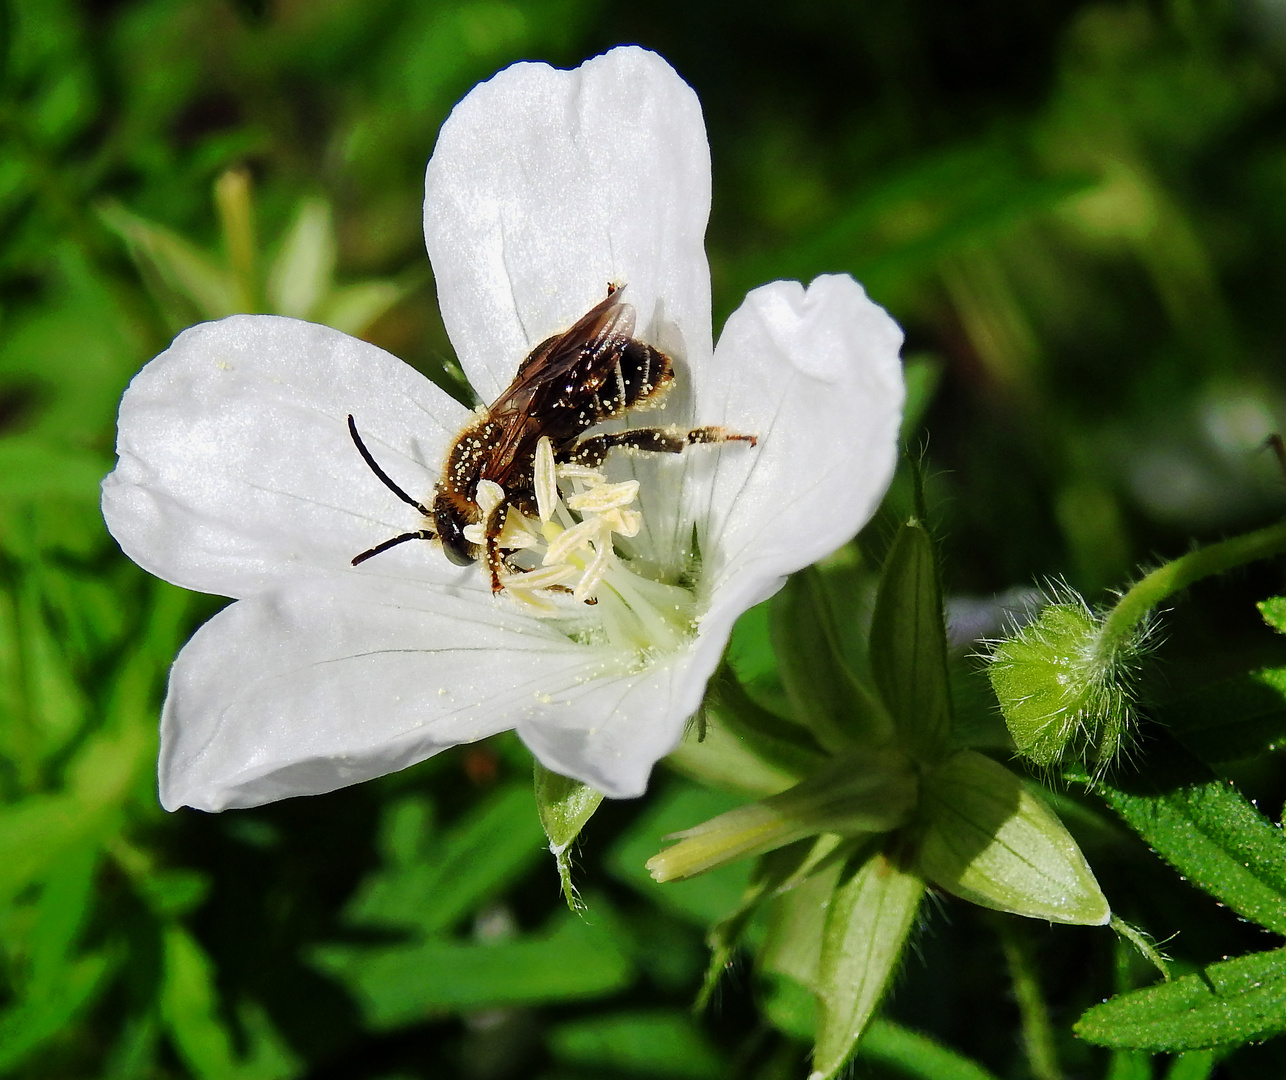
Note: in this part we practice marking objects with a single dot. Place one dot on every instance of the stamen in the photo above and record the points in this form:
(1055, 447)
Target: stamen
(573, 551)
(600, 499)
(546, 479)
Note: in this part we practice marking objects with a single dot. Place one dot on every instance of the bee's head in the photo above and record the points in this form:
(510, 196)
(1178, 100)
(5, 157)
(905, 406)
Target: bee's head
(449, 523)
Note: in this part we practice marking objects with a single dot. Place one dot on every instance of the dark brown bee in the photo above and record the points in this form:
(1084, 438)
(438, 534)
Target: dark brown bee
(569, 383)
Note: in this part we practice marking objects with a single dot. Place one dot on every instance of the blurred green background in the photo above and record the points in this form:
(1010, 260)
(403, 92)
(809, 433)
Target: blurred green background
(1076, 210)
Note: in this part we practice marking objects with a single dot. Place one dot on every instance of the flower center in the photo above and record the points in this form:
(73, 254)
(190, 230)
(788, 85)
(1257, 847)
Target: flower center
(576, 573)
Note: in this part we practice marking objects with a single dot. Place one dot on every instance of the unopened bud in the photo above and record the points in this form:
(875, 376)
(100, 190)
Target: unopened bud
(1066, 692)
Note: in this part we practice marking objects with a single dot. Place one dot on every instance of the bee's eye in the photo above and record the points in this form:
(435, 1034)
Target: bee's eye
(450, 530)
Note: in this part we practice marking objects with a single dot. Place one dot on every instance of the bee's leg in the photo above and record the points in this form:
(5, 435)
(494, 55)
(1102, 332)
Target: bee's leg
(593, 451)
(495, 561)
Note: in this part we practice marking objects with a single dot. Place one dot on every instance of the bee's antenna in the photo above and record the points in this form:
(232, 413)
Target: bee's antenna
(384, 478)
(422, 534)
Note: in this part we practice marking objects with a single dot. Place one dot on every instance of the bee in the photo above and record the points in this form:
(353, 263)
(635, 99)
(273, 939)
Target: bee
(568, 384)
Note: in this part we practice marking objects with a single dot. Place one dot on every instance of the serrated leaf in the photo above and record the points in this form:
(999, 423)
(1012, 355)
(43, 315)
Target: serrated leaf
(403, 984)
(989, 840)
(869, 917)
(1230, 1002)
(1209, 832)
(909, 645)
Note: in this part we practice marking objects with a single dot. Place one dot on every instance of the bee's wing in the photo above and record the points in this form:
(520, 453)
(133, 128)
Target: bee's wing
(549, 379)
(553, 360)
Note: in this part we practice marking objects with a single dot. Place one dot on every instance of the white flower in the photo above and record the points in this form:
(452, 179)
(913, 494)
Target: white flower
(237, 474)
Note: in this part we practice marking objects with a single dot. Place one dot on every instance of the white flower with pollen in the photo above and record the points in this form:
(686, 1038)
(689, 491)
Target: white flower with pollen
(237, 474)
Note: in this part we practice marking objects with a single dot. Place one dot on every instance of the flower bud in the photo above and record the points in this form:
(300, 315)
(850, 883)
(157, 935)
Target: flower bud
(1064, 689)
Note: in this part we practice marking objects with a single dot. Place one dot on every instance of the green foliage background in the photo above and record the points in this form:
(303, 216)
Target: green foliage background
(1078, 212)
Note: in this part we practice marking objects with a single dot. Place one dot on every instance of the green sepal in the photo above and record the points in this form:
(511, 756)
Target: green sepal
(742, 747)
(775, 872)
(862, 793)
(989, 840)
(564, 805)
(909, 645)
(869, 916)
(821, 687)
(1231, 1002)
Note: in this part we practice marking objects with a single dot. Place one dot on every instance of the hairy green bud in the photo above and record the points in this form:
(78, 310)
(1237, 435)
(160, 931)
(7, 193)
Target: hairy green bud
(1065, 687)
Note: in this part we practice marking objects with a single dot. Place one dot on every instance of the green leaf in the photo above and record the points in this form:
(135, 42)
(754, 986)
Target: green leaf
(923, 373)
(909, 645)
(991, 841)
(1209, 832)
(1231, 1002)
(403, 984)
(61, 910)
(914, 1055)
(870, 915)
(1232, 719)
(190, 1010)
(30, 1023)
(657, 1043)
(31, 468)
(36, 832)
(564, 805)
(1193, 1065)
(477, 858)
(180, 270)
(353, 308)
(1274, 612)
(1129, 1065)
(301, 274)
(822, 690)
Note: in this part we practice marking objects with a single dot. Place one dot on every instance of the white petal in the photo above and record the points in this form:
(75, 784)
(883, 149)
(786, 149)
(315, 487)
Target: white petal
(333, 681)
(237, 472)
(612, 731)
(816, 375)
(546, 185)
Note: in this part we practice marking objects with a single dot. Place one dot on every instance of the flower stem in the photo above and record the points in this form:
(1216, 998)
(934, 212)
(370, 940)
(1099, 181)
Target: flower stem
(1130, 611)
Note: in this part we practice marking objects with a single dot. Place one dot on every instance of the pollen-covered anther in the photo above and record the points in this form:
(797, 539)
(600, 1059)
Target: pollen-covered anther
(545, 479)
(604, 497)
